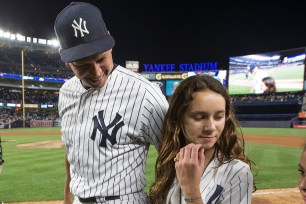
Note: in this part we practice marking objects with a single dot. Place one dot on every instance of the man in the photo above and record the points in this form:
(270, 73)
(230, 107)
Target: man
(258, 75)
(1, 158)
(110, 115)
(1, 161)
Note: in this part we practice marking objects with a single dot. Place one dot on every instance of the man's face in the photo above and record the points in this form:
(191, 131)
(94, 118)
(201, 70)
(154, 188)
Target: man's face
(255, 70)
(93, 71)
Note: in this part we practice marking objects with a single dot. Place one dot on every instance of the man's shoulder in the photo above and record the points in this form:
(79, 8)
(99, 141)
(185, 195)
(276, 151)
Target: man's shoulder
(72, 80)
(145, 85)
(134, 76)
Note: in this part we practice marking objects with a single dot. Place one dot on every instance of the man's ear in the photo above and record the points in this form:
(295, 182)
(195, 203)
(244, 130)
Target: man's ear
(60, 50)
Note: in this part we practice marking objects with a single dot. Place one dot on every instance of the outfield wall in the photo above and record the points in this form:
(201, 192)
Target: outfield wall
(266, 124)
(31, 123)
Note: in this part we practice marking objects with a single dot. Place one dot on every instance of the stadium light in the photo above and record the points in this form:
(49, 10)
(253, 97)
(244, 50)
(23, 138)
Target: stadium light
(6, 34)
(42, 41)
(20, 37)
(263, 58)
(13, 37)
(53, 43)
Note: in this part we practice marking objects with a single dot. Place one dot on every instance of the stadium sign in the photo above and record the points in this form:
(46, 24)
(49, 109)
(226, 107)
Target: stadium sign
(164, 76)
(185, 67)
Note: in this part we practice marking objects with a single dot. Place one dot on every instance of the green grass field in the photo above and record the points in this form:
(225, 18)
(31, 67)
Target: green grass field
(38, 174)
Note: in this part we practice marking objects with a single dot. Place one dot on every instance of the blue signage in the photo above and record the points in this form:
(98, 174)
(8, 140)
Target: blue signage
(205, 66)
(16, 76)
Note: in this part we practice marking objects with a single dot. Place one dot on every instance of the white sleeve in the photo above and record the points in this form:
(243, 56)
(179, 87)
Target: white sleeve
(239, 187)
(154, 111)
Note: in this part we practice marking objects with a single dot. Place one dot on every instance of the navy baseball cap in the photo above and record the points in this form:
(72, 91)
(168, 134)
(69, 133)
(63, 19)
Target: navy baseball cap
(81, 32)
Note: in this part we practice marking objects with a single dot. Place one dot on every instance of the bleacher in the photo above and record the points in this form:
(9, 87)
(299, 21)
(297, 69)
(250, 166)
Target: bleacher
(41, 63)
(275, 110)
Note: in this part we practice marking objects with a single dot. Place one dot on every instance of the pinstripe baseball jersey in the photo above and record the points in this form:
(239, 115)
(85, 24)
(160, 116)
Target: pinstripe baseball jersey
(107, 132)
(232, 182)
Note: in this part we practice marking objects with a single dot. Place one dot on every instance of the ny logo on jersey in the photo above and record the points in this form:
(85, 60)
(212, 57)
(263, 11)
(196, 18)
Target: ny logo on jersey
(78, 27)
(104, 129)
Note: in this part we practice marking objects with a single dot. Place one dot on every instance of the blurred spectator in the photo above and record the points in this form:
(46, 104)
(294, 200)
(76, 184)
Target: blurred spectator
(1, 158)
(268, 85)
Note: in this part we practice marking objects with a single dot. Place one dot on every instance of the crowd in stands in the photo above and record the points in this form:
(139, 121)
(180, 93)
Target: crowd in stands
(268, 107)
(8, 116)
(32, 96)
(37, 64)
(14, 116)
(268, 98)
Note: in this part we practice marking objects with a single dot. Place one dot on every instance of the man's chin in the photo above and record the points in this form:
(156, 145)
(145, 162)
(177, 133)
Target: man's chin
(97, 85)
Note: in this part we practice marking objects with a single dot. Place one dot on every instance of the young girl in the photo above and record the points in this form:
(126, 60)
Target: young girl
(202, 157)
(268, 85)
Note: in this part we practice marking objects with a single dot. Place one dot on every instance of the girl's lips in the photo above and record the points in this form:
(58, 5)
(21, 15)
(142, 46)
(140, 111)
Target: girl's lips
(303, 195)
(207, 139)
(207, 136)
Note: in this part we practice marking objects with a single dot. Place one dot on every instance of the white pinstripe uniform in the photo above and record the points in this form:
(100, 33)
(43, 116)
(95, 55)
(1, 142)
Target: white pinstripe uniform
(107, 133)
(232, 183)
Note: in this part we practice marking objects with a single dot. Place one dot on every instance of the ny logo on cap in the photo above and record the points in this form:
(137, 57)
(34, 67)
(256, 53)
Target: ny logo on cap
(78, 27)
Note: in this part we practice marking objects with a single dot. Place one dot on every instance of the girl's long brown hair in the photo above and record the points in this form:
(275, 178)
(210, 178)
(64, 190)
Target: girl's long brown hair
(229, 146)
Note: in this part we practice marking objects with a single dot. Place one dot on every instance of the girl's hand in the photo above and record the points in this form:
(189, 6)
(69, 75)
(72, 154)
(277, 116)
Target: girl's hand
(189, 166)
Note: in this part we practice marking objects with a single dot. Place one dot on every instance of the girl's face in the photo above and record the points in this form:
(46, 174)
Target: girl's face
(204, 119)
(302, 179)
(263, 86)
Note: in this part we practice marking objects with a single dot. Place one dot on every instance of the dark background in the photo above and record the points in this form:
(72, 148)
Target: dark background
(175, 31)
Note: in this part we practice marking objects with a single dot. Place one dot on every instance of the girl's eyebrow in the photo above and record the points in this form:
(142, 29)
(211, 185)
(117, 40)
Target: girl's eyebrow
(199, 111)
(300, 166)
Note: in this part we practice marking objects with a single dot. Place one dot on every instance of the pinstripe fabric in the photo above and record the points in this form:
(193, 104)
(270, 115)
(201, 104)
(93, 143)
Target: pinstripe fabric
(231, 183)
(107, 132)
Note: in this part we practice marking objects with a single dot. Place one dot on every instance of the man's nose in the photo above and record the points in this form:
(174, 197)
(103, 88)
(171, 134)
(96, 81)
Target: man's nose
(95, 70)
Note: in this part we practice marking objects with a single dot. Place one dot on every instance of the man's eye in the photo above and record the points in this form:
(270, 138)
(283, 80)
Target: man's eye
(82, 66)
(100, 60)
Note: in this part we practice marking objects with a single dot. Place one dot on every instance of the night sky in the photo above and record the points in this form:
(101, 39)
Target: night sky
(175, 31)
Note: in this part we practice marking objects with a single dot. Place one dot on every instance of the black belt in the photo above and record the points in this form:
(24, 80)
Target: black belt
(94, 199)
